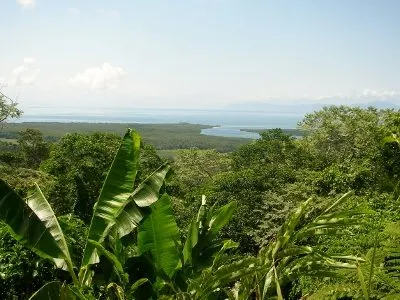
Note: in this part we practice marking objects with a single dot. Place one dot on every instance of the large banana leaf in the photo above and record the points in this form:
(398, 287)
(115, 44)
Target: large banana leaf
(148, 191)
(144, 195)
(191, 241)
(204, 228)
(195, 227)
(111, 258)
(55, 290)
(34, 224)
(220, 218)
(159, 235)
(116, 190)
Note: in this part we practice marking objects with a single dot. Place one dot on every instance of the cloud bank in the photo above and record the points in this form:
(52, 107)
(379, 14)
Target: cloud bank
(27, 3)
(104, 77)
(25, 74)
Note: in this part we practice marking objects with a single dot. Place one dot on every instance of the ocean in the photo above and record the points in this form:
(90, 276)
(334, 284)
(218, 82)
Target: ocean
(224, 122)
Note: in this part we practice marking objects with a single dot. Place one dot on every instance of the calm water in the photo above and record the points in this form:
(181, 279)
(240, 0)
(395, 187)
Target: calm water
(225, 122)
(230, 131)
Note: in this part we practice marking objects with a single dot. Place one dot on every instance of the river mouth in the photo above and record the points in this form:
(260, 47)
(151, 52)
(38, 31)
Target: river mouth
(229, 131)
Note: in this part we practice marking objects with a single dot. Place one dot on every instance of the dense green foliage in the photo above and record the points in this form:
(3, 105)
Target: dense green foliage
(268, 228)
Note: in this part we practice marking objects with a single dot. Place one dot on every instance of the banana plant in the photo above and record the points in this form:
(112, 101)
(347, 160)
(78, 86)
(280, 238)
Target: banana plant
(117, 212)
(167, 266)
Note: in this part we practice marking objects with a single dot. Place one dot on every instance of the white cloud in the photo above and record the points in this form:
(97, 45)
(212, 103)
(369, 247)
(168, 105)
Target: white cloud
(109, 12)
(29, 60)
(105, 77)
(379, 94)
(73, 11)
(27, 3)
(25, 74)
(365, 95)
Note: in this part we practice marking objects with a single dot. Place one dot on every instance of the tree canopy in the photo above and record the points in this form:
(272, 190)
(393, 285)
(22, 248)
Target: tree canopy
(8, 108)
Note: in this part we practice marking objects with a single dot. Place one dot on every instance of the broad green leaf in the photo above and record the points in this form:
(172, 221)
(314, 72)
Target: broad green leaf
(138, 283)
(148, 191)
(51, 290)
(128, 219)
(55, 290)
(269, 279)
(202, 213)
(116, 190)
(159, 235)
(191, 241)
(111, 258)
(38, 203)
(227, 244)
(115, 291)
(221, 217)
(34, 224)
(144, 195)
(79, 296)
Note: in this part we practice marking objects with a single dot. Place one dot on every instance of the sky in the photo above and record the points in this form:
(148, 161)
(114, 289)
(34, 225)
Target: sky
(199, 53)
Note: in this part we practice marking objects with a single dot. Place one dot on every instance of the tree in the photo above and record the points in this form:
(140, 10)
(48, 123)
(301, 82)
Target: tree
(33, 147)
(79, 162)
(347, 144)
(8, 108)
(22, 179)
(194, 167)
(343, 133)
(274, 148)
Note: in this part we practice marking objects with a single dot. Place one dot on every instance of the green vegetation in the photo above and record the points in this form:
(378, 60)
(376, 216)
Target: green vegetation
(275, 218)
(8, 109)
(294, 131)
(161, 136)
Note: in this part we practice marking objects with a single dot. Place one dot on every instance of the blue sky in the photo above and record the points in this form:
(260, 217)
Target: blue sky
(199, 53)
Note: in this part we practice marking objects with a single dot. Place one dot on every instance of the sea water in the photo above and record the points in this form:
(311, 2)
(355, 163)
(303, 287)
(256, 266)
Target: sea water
(223, 122)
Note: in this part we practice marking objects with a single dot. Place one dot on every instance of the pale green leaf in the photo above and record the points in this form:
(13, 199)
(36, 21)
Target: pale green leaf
(116, 190)
(159, 235)
(35, 225)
